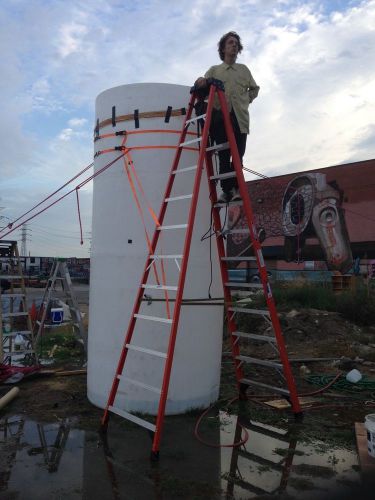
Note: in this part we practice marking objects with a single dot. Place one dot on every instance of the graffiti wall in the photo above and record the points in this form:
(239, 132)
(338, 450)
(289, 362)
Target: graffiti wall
(324, 218)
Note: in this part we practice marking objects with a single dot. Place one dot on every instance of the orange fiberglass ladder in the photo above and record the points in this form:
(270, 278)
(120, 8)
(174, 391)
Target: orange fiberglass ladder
(270, 314)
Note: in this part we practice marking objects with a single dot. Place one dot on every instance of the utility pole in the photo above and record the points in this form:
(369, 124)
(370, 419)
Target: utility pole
(24, 239)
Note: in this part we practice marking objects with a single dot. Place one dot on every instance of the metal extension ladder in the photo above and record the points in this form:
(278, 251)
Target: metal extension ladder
(60, 273)
(14, 323)
(269, 313)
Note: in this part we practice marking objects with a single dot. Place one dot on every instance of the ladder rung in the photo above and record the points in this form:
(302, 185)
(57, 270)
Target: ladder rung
(16, 353)
(264, 386)
(166, 256)
(227, 175)
(177, 198)
(261, 312)
(153, 318)
(192, 141)
(218, 147)
(16, 332)
(192, 120)
(257, 361)
(12, 295)
(235, 203)
(133, 418)
(254, 336)
(175, 226)
(139, 384)
(13, 315)
(186, 169)
(239, 284)
(146, 351)
(237, 231)
(160, 287)
(240, 259)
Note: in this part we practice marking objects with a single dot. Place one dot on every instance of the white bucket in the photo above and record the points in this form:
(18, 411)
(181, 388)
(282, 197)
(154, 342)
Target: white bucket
(370, 428)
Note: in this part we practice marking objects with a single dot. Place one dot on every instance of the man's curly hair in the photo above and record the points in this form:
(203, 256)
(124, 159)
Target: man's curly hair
(224, 38)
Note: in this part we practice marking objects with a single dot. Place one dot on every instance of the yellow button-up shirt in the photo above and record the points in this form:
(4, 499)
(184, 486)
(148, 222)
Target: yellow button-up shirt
(240, 90)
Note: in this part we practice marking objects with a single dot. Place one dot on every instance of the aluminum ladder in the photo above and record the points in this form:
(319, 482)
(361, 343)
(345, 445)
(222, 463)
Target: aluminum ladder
(60, 274)
(13, 283)
(206, 152)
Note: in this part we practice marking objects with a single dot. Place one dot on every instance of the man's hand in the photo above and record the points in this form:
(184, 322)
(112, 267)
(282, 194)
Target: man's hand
(200, 82)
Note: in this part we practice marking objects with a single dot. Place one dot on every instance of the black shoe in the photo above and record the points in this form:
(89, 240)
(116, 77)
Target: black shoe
(224, 197)
(235, 195)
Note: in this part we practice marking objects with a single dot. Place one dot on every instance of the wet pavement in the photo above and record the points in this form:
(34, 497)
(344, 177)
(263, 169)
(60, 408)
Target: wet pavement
(56, 460)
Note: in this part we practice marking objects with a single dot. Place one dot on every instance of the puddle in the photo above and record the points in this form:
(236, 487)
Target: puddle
(275, 461)
(55, 461)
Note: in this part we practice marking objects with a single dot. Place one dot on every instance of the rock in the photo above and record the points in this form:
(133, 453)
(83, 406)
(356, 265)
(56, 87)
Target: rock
(357, 359)
(368, 363)
(292, 314)
(346, 363)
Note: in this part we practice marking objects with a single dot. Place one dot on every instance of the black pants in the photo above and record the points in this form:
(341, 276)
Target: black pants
(217, 132)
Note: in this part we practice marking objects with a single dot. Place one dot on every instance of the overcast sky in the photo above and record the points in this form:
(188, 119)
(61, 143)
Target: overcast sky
(313, 60)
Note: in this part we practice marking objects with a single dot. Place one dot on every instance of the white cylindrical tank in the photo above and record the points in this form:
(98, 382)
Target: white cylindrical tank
(119, 250)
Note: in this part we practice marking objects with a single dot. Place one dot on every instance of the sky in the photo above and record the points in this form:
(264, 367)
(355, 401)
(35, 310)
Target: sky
(313, 60)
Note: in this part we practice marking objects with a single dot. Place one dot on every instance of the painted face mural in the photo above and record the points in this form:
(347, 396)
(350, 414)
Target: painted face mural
(311, 207)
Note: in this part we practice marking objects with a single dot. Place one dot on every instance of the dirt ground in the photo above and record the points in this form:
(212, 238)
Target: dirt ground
(329, 418)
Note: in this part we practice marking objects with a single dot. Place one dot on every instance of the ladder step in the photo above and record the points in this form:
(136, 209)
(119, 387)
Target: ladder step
(237, 259)
(16, 353)
(237, 231)
(235, 203)
(192, 141)
(244, 285)
(254, 336)
(166, 256)
(12, 295)
(153, 318)
(13, 315)
(146, 351)
(177, 198)
(264, 386)
(257, 361)
(133, 418)
(160, 287)
(16, 332)
(227, 175)
(185, 169)
(175, 226)
(261, 312)
(218, 147)
(192, 120)
(139, 384)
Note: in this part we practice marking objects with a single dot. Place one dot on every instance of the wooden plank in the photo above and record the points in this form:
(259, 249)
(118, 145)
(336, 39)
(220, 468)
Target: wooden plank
(281, 404)
(366, 462)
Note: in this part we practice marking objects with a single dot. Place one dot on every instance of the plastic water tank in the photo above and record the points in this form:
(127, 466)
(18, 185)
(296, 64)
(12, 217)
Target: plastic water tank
(119, 251)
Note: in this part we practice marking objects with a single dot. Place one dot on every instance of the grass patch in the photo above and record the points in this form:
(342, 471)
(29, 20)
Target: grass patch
(60, 344)
(356, 306)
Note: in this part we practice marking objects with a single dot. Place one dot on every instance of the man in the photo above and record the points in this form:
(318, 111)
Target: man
(240, 91)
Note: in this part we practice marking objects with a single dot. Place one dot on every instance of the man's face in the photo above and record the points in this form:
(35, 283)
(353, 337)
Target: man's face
(231, 47)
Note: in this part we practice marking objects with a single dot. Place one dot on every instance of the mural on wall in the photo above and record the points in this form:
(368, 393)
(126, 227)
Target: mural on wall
(304, 217)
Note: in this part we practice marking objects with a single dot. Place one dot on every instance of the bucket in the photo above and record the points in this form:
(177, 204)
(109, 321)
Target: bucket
(57, 315)
(370, 428)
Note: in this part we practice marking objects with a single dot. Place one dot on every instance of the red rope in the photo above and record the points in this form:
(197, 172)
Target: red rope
(10, 225)
(79, 215)
(61, 197)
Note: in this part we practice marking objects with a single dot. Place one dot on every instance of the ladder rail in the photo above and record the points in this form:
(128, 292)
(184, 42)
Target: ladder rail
(147, 268)
(182, 276)
(258, 253)
(224, 271)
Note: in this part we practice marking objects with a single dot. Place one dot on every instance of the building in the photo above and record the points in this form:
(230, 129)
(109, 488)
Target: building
(314, 223)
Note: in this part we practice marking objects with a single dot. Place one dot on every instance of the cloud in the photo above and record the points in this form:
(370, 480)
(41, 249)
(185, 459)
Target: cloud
(313, 60)
(77, 122)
